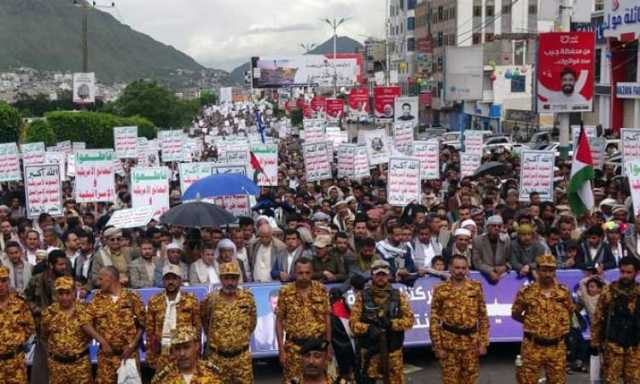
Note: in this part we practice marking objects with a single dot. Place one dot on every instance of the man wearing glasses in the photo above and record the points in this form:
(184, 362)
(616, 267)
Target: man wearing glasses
(112, 254)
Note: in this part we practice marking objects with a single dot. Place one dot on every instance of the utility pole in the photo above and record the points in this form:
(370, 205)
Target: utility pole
(307, 47)
(334, 24)
(387, 28)
(85, 6)
(564, 118)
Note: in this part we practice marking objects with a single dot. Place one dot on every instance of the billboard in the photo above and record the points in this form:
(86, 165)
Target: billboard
(464, 71)
(621, 18)
(359, 100)
(319, 104)
(335, 108)
(84, 88)
(565, 71)
(318, 70)
(384, 99)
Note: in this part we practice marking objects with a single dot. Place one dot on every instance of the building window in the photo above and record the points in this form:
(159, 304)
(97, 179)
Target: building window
(533, 9)
(489, 37)
(490, 11)
(452, 39)
(518, 84)
(411, 24)
(598, 64)
(411, 4)
(440, 13)
(477, 11)
(506, 9)
(599, 5)
(440, 39)
(452, 13)
(476, 38)
(411, 44)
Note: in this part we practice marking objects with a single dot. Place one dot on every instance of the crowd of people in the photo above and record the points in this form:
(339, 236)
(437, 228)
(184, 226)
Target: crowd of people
(338, 231)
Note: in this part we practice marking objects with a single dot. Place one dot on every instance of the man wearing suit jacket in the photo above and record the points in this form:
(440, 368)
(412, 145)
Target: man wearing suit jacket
(631, 242)
(491, 251)
(263, 254)
(283, 267)
(142, 269)
(19, 268)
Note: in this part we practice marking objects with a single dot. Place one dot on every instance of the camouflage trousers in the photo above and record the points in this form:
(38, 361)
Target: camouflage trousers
(621, 362)
(76, 373)
(460, 366)
(552, 360)
(234, 370)
(14, 370)
(107, 372)
(375, 370)
(292, 370)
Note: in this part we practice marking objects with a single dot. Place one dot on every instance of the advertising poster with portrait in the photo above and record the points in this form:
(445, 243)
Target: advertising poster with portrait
(359, 100)
(565, 71)
(384, 100)
(406, 110)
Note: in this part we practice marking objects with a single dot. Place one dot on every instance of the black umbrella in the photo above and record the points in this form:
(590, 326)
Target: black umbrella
(494, 168)
(197, 214)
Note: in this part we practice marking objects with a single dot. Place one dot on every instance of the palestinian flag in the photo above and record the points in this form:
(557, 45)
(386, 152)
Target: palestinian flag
(579, 192)
(257, 167)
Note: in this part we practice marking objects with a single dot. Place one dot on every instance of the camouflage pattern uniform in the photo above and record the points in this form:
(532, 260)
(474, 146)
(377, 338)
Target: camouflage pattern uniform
(618, 361)
(205, 373)
(228, 325)
(403, 322)
(302, 318)
(547, 316)
(16, 326)
(459, 325)
(68, 344)
(118, 323)
(187, 313)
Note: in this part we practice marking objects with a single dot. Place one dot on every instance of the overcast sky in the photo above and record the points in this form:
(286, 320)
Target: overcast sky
(225, 33)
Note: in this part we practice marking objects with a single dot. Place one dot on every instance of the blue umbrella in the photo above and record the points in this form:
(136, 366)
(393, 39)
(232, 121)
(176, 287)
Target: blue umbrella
(221, 185)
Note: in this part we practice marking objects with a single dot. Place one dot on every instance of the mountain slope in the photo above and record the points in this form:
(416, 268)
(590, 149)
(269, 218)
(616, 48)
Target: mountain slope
(344, 44)
(46, 35)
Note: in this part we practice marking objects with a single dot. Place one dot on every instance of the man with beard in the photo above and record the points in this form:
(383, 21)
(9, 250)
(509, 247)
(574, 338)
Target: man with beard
(571, 86)
(315, 359)
(544, 308)
(616, 325)
(303, 313)
(229, 319)
(459, 325)
(185, 366)
(16, 326)
(360, 232)
(167, 311)
(397, 254)
(379, 317)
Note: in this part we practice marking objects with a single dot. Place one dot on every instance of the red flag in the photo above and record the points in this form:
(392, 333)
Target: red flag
(255, 163)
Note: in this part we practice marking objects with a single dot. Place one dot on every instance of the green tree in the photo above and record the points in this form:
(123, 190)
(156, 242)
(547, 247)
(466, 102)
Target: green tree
(208, 98)
(40, 130)
(10, 123)
(297, 117)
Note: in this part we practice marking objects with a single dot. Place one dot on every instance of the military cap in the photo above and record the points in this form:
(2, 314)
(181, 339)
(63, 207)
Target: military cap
(64, 283)
(183, 335)
(4, 272)
(546, 261)
(171, 269)
(314, 345)
(380, 266)
(229, 269)
(525, 229)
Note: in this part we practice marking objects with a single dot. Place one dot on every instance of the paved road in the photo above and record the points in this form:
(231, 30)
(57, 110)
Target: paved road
(496, 368)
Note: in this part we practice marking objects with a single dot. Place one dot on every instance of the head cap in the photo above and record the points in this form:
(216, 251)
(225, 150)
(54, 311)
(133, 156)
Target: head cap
(322, 241)
(314, 344)
(495, 220)
(171, 269)
(4, 272)
(112, 232)
(229, 269)
(183, 335)
(546, 261)
(64, 283)
(380, 266)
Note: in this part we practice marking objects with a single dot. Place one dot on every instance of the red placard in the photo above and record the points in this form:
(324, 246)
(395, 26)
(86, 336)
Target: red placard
(307, 112)
(319, 104)
(359, 100)
(565, 71)
(335, 107)
(383, 99)
(425, 99)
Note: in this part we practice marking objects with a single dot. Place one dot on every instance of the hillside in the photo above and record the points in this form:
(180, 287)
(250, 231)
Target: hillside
(343, 45)
(46, 35)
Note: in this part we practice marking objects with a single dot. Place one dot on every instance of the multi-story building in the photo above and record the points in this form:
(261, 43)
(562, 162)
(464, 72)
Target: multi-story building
(402, 40)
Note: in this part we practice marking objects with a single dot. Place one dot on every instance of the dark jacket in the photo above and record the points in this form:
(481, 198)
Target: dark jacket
(603, 257)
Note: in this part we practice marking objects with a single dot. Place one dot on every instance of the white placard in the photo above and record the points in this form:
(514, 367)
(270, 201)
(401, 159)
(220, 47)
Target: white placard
(32, 153)
(59, 158)
(630, 144)
(192, 172)
(316, 161)
(65, 146)
(237, 205)
(346, 161)
(361, 166)
(473, 142)
(633, 173)
(403, 184)
(150, 187)
(125, 142)
(377, 147)
(172, 145)
(94, 180)
(267, 155)
(536, 174)
(428, 152)
(403, 136)
(9, 162)
(406, 111)
(43, 192)
(314, 133)
(84, 88)
(469, 163)
(336, 136)
(131, 217)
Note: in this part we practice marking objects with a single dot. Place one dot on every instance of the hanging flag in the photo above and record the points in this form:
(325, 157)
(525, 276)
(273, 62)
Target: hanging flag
(579, 192)
(260, 125)
(257, 167)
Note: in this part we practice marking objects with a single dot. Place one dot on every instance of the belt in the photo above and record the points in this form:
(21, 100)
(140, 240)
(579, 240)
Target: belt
(459, 330)
(69, 359)
(11, 354)
(542, 342)
(229, 354)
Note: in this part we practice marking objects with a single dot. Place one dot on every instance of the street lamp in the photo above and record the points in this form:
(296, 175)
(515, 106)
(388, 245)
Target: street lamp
(85, 5)
(334, 24)
(307, 47)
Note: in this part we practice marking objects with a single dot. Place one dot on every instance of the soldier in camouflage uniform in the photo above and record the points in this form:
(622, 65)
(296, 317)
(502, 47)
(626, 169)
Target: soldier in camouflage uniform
(459, 325)
(315, 359)
(229, 318)
(544, 307)
(616, 326)
(66, 325)
(167, 311)
(303, 314)
(185, 366)
(379, 317)
(118, 315)
(16, 326)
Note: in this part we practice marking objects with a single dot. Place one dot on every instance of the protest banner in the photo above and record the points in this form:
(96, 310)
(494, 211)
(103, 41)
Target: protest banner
(125, 142)
(43, 190)
(319, 104)
(94, 180)
(131, 217)
(630, 142)
(227, 168)
(71, 165)
(633, 173)
(192, 172)
(403, 181)
(469, 163)
(150, 187)
(32, 153)
(377, 146)
(598, 146)
(537, 174)
(406, 111)
(9, 162)
(473, 142)
(267, 157)
(78, 146)
(237, 205)
(428, 152)
(361, 166)
(359, 100)
(384, 101)
(60, 158)
(403, 136)
(172, 145)
(240, 156)
(335, 109)
(346, 161)
(336, 136)
(65, 146)
(316, 161)
(314, 131)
